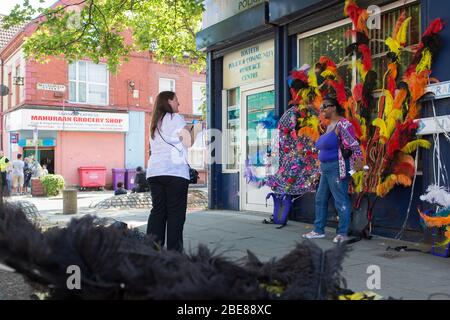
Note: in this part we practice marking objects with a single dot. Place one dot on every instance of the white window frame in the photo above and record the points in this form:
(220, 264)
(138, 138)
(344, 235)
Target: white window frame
(87, 82)
(225, 132)
(337, 24)
(200, 84)
(172, 81)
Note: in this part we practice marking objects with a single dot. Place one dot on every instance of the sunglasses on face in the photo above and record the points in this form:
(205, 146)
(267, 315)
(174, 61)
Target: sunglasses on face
(325, 106)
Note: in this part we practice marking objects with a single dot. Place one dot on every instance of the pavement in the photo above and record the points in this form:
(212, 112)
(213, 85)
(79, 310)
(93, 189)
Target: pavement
(406, 275)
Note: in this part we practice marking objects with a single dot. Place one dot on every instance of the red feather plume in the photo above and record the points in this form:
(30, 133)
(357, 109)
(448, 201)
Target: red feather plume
(435, 27)
(404, 168)
(401, 136)
(339, 88)
(358, 92)
(391, 85)
(366, 56)
(357, 128)
(299, 75)
(324, 60)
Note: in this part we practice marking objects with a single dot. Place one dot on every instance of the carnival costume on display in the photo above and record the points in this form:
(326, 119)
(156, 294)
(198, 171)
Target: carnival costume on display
(292, 166)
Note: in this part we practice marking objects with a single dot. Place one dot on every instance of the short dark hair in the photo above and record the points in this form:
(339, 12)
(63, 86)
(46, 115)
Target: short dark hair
(119, 184)
(19, 156)
(139, 168)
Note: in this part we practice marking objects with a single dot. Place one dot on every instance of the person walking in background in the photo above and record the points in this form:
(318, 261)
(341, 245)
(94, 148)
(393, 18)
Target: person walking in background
(18, 174)
(168, 171)
(120, 189)
(339, 153)
(27, 173)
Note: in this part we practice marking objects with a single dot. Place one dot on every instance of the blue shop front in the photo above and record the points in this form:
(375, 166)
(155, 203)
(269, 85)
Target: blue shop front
(251, 50)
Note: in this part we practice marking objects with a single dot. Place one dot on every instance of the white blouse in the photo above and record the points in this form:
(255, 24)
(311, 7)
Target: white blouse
(167, 160)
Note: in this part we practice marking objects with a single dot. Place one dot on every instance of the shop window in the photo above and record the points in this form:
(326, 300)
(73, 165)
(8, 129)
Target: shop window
(88, 83)
(9, 100)
(231, 130)
(328, 41)
(198, 97)
(332, 41)
(17, 87)
(380, 50)
(166, 85)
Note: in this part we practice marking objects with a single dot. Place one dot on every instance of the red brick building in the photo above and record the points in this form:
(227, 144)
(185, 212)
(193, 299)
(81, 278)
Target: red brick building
(82, 114)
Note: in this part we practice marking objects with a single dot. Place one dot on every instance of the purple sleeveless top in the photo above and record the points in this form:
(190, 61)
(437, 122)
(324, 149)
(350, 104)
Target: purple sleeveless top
(328, 146)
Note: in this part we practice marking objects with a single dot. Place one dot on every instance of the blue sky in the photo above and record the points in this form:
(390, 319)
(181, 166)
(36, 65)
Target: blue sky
(7, 5)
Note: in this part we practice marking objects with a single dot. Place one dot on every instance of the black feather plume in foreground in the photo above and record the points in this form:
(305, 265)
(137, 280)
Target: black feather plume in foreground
(120, 263)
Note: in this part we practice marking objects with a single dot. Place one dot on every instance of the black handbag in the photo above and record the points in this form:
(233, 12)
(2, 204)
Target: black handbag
(193, 174)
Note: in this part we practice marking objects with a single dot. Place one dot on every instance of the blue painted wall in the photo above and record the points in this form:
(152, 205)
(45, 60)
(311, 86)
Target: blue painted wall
(134, 141)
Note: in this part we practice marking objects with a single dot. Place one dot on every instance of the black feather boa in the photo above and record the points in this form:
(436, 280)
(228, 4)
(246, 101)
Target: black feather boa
(120, 263)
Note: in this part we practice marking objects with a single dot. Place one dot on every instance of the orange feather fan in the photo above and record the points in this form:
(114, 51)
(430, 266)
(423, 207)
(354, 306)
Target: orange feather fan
(358, 16)
(435, 221)
(398, 24)
(404, 180)
(310, 133)
(385, 187)
(400, 99)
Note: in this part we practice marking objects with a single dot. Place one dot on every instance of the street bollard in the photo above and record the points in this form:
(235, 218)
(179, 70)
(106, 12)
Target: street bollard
(70, 200)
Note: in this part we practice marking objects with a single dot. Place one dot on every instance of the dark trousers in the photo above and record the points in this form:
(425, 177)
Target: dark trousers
(4, 187)
(169, 199)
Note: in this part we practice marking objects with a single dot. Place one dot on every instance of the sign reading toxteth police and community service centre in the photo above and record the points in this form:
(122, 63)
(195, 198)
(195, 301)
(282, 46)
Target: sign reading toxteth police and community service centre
(30, 119)
(249, 65)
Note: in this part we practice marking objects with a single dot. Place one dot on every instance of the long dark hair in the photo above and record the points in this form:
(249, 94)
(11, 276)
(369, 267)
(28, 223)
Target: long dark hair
(161, 108)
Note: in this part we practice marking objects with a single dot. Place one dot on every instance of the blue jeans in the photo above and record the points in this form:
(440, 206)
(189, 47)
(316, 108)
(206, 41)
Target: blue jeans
(331, 183)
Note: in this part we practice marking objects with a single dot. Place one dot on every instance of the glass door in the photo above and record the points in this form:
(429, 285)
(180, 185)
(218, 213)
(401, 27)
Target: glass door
(257, 104)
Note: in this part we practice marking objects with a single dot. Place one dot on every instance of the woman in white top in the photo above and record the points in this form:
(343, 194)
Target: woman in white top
(168, 171)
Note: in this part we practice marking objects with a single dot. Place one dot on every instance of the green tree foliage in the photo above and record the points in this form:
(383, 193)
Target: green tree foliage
(97, 29)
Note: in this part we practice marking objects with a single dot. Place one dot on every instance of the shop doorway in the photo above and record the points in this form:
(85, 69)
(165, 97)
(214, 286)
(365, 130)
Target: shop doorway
(44, 156)
(257, 103)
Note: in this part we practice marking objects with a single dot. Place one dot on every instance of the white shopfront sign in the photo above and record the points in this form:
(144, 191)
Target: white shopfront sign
(249, 65)
(30, 119)
(440, 90)
(433, 125)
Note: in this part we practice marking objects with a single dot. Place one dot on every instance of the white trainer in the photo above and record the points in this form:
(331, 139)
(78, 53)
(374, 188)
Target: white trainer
(313, 235)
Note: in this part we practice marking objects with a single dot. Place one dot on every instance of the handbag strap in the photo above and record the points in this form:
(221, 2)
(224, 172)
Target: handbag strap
(180, 151)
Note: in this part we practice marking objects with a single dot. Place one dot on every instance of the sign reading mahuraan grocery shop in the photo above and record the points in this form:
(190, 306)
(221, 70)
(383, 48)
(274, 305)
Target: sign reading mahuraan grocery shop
(29, 119)
(249, 65)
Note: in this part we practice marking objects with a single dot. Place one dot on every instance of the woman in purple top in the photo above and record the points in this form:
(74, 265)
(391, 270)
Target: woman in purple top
(339, 153)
